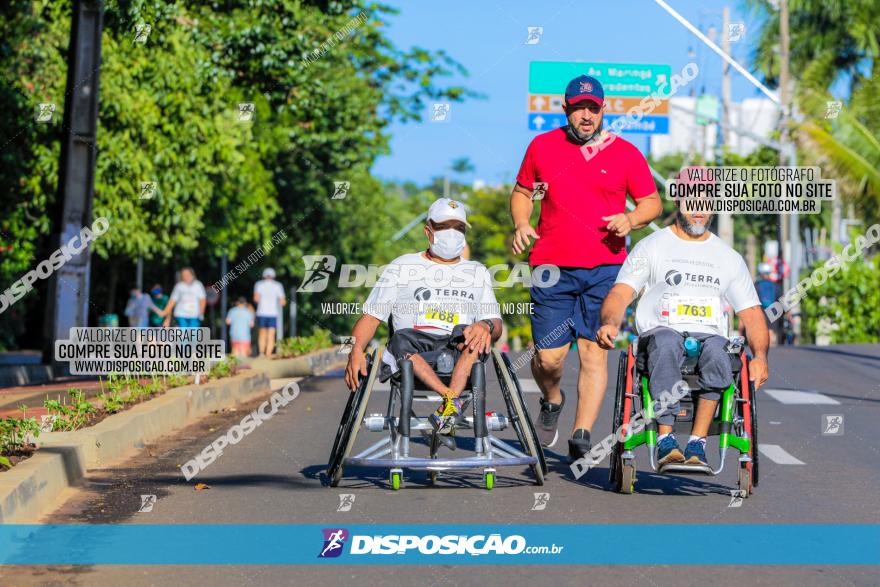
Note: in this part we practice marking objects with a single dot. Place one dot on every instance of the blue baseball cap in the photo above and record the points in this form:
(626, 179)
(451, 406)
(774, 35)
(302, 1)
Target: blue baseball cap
(582, 88)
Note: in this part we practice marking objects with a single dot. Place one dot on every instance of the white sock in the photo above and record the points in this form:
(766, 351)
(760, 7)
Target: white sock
(662, 436)
(700, 438)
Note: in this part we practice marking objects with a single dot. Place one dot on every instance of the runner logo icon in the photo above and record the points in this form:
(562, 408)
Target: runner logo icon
(334, 540)
(319, 268)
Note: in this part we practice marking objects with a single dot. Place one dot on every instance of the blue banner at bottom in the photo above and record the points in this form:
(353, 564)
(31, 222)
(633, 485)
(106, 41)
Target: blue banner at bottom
(601, 544)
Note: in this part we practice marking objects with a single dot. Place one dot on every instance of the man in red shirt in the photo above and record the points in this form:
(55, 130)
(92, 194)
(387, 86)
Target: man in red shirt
(582, 176)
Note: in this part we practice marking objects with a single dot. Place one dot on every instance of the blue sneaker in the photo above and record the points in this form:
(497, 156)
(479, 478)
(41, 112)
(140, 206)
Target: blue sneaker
(668, 451)
(695, 453)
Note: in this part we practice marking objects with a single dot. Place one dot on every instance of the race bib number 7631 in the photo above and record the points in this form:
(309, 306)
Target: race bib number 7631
(694, 310)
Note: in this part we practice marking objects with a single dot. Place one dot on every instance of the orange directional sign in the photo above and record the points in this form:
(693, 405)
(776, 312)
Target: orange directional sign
(545, 102)
(613, 104)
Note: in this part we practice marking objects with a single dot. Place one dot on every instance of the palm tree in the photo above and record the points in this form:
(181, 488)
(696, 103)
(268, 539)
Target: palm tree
(830, 39)
(849, 30)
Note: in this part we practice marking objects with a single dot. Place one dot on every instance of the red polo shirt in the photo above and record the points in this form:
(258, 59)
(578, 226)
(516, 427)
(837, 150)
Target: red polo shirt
(580, 191)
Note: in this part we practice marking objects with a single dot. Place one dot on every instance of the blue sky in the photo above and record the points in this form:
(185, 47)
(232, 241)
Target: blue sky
(488, 39)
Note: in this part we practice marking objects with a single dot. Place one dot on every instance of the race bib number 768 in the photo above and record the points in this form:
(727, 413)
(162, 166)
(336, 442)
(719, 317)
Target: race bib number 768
(439, 318)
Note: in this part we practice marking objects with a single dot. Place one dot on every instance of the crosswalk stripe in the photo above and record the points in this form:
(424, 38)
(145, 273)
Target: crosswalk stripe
(779, 455)
(798, 397)
(529, 386)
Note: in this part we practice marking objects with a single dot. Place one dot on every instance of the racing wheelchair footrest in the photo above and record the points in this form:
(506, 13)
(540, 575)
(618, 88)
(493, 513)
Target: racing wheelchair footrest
(686, 469)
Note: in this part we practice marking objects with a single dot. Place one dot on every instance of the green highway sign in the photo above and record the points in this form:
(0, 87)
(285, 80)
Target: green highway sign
(618, 79)
(708, 109)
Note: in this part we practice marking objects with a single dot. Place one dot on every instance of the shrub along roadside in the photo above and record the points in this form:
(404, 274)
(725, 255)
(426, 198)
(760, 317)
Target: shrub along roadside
(847, 306)
(300, 345)
(74, 411)
(16, 435)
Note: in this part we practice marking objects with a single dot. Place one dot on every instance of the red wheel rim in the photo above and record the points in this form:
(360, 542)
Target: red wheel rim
(627, 401)
(747, 412)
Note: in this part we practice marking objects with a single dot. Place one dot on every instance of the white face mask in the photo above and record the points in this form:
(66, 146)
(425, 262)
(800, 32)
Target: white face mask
(448, 244)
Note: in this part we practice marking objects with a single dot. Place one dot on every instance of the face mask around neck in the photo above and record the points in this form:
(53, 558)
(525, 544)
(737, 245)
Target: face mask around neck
(578, 139)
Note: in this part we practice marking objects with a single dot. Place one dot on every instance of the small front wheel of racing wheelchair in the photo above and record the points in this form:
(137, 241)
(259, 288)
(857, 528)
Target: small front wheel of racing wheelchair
(627, 477)
(489, 478)
(396, 479)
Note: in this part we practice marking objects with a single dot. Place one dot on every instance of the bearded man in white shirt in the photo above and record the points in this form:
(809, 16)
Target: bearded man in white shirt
(687, 274)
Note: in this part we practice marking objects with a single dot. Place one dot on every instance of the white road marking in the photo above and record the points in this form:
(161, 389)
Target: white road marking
(529, 386)
(798, 397)
(779, 455)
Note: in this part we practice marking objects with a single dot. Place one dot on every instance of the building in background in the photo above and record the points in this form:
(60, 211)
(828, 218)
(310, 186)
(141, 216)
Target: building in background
(755, 115)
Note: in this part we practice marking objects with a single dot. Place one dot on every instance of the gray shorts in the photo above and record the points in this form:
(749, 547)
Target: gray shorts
(666, 357)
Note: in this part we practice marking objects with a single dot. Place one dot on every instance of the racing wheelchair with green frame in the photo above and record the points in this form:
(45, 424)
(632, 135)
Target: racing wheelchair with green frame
(735, 421)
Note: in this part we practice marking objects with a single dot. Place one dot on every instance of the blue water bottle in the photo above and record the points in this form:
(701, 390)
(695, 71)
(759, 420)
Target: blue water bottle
(692, 347)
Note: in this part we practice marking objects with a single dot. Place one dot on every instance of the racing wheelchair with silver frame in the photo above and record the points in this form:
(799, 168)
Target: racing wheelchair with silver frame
(735, 420)
(400, 422)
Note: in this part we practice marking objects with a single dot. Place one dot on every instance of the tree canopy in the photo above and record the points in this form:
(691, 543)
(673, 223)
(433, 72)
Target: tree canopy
(324, 82)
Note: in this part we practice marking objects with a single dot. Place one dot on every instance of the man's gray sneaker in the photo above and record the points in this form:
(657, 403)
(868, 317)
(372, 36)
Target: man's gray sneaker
(548, 421)
(579, 444)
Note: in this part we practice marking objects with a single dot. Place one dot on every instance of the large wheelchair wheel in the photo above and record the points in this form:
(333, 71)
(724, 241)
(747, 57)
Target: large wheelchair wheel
(614, 469)
(519, 413)
(753, 408)
(623, 475)
(748, 474)
(351, 419)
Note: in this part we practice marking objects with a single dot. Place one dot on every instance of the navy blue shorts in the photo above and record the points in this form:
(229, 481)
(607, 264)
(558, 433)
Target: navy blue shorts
(267, 321)
(570, 308)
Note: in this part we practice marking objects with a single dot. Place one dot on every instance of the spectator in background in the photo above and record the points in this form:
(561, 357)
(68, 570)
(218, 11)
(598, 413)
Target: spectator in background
(768, 292)
(160, 300)
(187, 302)
(765, 287)
(240, 320)
(138, 309)
(269, 297)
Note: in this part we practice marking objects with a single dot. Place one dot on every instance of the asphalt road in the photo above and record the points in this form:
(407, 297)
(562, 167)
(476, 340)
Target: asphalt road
(274, 477)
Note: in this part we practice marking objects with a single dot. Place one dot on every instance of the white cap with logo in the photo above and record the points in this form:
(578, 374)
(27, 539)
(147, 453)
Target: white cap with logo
(446, 209)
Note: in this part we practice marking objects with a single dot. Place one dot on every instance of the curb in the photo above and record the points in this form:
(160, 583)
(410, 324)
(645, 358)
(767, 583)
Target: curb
(31, 487)
(312, 363)
(15, 375)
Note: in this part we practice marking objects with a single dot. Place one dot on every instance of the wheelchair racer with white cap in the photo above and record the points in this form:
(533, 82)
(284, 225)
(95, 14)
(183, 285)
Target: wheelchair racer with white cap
(687, 273)
(458, 315)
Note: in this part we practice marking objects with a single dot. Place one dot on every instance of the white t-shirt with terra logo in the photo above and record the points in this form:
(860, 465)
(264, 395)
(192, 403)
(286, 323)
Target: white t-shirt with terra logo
(687, 283)
(434, 297)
